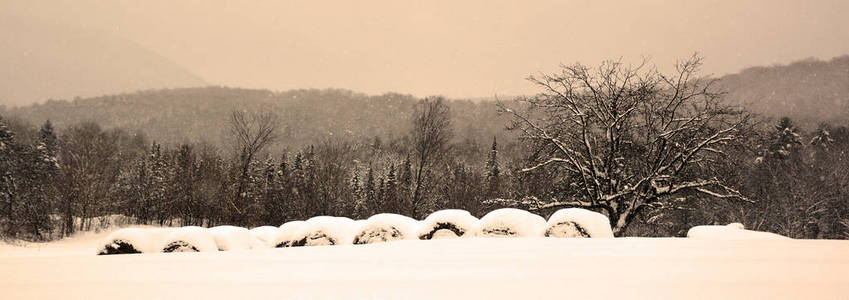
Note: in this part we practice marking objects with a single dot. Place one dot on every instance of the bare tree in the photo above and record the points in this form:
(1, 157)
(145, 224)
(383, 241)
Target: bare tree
(431, 133)
(88, 156)
(251, 133)
(629, 139)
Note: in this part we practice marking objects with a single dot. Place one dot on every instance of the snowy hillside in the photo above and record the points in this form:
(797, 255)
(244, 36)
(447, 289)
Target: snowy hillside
(472, 268)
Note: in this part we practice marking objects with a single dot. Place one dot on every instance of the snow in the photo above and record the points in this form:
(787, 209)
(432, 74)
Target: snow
(386, 227)
(578, 222)
(265, 235)
(737, 225)
(286, 233)
(467, 268)
(511, 222)
(189, 239)
(448, 223)
(229, 238)
(325, 231)
(141, 240)
(733, 231)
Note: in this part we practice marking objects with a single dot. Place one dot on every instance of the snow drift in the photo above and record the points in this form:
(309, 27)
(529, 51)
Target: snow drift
(228, 238)
(189, 239)
(325, 231)
(133, 240)
(511, 222)
(284, 235)
(386, 227)
(578, 223)
(733, 231)
(448, 223)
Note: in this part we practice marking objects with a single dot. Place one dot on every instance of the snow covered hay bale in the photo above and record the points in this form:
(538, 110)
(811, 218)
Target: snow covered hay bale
(448, 223)
(133, 240)
(578, 223)
(285, 233)
(264, 236)
(511, 222)
(325, 231)
(733, 231)
(229, 238)
(386, 227)
(189, 239)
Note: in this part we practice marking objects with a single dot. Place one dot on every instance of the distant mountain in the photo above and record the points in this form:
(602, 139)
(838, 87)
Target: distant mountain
(307, 116)
(809, 91)
(42, 61)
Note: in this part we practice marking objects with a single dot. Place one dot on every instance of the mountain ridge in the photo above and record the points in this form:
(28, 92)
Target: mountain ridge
(809, 91)
(44, 61)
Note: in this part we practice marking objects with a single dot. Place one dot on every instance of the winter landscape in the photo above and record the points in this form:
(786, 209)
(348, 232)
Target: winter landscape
(433, 150)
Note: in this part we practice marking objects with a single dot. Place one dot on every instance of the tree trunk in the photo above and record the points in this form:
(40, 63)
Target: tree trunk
(417, 191)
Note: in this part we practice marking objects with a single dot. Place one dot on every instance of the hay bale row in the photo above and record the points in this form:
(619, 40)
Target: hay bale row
(327, 230)
(182, 239)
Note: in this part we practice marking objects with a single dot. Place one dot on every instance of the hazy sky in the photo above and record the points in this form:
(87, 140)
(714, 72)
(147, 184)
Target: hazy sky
(454, 48)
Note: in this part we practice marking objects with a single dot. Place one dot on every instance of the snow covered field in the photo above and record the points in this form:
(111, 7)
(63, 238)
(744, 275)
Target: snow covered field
(473, 268)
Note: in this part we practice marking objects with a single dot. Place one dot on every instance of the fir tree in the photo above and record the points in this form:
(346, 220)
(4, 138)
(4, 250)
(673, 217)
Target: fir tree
(282, 169)
(356, 191)
(380, 204)
(272, 211)
(268, 180)
(493, 172)
(784, 141)
(186, 181)
(47, 139)
(42, 190)
(390, 194)
(299, 165)
(405, 184)
(7, 177)
(137, 190)
(822, 137)
(370, 197)
(159, 183)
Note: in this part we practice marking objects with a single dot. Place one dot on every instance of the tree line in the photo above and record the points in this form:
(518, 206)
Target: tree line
(63, 183)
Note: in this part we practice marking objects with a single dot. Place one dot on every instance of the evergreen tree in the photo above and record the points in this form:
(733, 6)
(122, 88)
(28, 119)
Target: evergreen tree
(271, 198)
(7, 137)
(8, 165)
(282, 191)
(380, 204)
(784, 141)
(299, 165)
(41, 193)
(822, 143)
(822, 137)
(493, 172)
(376, 146)
(390, 195)
(47, 138)
(159, 184)
(283, 168)
(143, 188)
(357, 192)
(370, 197)
(300, 185)
(185, 194)
(405, 185)
(314, 204)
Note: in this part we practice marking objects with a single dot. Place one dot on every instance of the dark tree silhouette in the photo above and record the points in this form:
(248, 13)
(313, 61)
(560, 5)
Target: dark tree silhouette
(431, 133)
(629, 139)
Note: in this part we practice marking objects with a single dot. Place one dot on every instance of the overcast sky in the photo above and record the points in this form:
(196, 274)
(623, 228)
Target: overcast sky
(453, 48)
